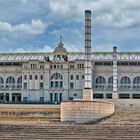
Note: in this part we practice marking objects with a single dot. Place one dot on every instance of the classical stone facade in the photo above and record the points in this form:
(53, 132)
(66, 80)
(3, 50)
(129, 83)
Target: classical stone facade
(53, 77)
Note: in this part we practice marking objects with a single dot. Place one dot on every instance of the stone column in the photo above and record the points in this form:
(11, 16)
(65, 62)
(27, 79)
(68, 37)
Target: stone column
(10, 97)
(115, 75)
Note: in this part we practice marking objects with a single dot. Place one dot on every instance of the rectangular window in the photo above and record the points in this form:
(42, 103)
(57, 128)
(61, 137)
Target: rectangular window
(35, 77)
(30, 77)
(77, 77)
(61, 84)
(41, 66)
(71, 77)
(41, 77)
(25, 77)
(33, 66)
(51, 84)
(71, 66)
(25, 85)
(41, 99)
(41, 85)
(82, 77)
(71, 85)
(56, 83)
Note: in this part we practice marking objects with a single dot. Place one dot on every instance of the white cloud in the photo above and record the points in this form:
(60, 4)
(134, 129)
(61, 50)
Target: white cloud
(73, 48)
(36, 27)
(46, 48)
(114, 13)
(108, 47)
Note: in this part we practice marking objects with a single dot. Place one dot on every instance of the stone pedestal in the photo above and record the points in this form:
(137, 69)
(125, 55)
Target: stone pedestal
(88, 94)
(114, 95)
(85, 111)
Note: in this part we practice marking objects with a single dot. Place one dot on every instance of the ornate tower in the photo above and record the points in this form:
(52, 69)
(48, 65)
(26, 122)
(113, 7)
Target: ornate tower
(87, 92)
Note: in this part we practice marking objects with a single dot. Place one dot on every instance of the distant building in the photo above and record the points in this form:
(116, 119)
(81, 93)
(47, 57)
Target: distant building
(57, 76)
(62, 75)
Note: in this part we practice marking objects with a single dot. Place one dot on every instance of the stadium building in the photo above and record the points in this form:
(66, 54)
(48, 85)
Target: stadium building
(57, 76)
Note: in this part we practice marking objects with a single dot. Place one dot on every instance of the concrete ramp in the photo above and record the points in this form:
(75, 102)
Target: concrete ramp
(85, 111)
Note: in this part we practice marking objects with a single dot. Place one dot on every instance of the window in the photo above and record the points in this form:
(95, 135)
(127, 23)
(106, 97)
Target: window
(41, 77)
(25, 85)
(100, 82)
(60, 97)
(61, 84)
(35, 77)
(56, 83)
(56, 80)
(41, 99)
(25, 77)
(41, 85)
(51, 84)
(136, 83)
(80, 65)
(19, 82)
(30, 77)
(71, 66)
(61, 66)
(41, 66)
(51, 97)
(77, 77)
(71, 77)
(10, 82)
(110, 82)
(33, 66)
(82, 77)
(71, 85)
(125, 83)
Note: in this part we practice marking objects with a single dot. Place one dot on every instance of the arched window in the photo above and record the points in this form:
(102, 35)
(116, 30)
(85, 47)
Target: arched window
(100, 82)
(136, 82)
(10, 82)
(125, 83)
(56, 81)
(1, 82)
(110, 82)
(56, 76)
(19, 82)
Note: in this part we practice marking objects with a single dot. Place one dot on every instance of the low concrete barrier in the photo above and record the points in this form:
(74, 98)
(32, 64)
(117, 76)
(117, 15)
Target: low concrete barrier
(85, 111)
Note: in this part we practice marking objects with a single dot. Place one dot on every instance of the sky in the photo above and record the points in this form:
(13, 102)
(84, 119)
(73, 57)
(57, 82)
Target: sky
(36, 25)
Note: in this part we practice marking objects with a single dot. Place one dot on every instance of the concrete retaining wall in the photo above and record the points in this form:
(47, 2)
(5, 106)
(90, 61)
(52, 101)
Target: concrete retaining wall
(123, 103)
(127, 103)
(85, 111)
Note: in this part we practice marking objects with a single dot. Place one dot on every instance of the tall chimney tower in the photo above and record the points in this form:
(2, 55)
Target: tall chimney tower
(87, 92)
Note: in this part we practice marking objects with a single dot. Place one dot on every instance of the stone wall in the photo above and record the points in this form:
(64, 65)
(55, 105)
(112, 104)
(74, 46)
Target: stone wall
(123, 103)
(85, 111)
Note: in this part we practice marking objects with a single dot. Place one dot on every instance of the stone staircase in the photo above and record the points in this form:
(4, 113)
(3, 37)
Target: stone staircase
(123, 124)
(21, 113)
(121, 116)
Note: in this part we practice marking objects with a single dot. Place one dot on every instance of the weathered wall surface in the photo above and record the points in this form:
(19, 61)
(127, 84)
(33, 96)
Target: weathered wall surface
(124, 103)
(85, 111)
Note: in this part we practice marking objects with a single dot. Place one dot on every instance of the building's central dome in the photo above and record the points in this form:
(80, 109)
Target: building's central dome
(60, 49)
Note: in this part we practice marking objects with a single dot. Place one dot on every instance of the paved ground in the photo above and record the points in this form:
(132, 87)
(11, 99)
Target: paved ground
(124, 125)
